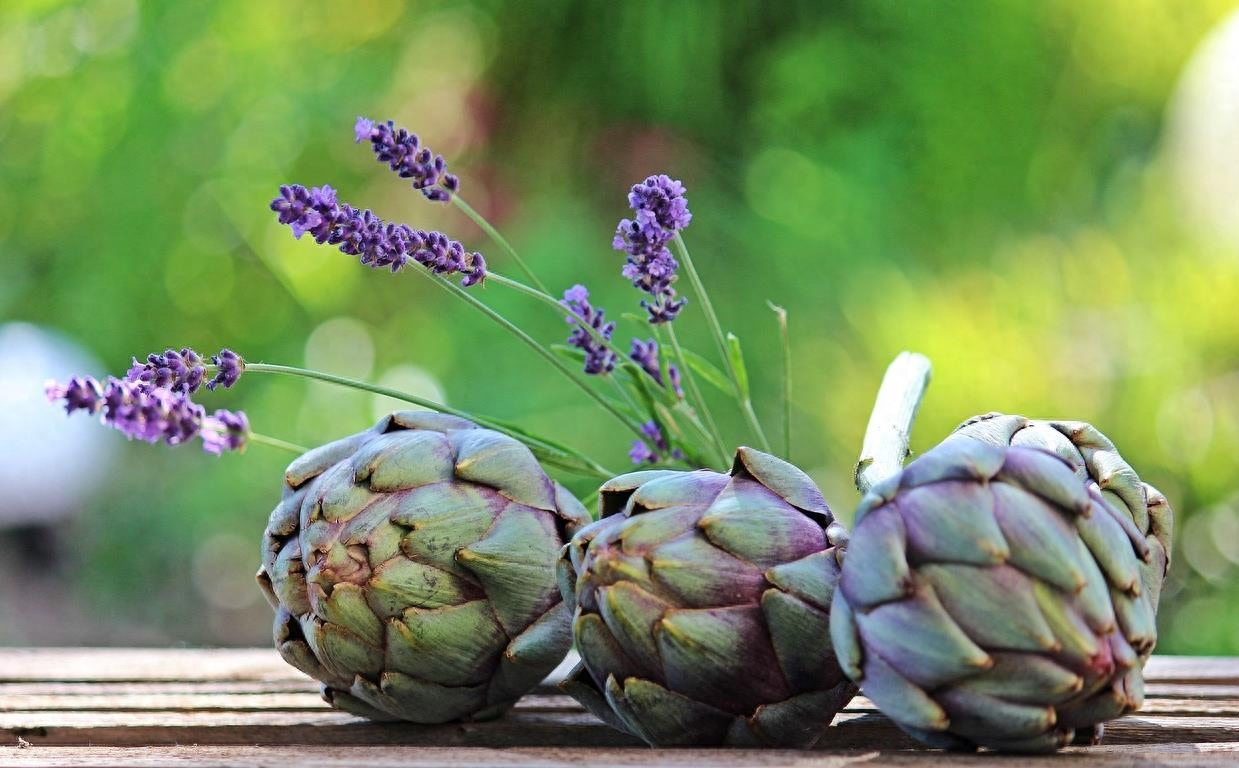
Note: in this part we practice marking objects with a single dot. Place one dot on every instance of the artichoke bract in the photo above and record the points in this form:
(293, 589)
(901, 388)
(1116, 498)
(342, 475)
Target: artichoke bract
(1094, 457)
(993, 597)
(412, 569)
(702, 603)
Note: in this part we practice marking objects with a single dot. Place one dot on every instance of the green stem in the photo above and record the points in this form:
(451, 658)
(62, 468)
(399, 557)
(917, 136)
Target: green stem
(493, 233)
(275, 442)
(716, 437)
(536, 347)
(785, 342)
(746, 405)
(559, 308)
(395, 394)
(597, 335)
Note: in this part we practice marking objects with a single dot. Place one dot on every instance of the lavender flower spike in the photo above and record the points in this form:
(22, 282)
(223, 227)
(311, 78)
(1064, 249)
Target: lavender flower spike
(660, 210)
(598, 357)
(152, 414)
(403, 153)
(379, 244)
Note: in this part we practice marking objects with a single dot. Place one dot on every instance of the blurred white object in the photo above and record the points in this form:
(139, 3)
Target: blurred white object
(1202, 136)
(49, 462)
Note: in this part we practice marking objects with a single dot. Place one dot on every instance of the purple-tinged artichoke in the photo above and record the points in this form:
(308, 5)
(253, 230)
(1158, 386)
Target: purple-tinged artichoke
(702, 606)
(1093, 457)
(412, 569)
(992, 596)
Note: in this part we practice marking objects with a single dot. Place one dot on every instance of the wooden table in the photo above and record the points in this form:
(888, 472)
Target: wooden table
(138, 707)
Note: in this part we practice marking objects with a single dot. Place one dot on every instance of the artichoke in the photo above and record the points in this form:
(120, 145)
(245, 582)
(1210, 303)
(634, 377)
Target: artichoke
(1093, 457)
(992, 594)
(702, 602)
(412, 569)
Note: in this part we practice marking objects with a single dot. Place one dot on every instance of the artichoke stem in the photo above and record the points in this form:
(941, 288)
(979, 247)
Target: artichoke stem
(889, 434)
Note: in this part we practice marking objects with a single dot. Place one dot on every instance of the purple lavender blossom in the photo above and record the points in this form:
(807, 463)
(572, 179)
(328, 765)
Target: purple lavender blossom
(379, 244)
(228, 368)
(403, 153)
(660, 210)
(598, 357)
(645, 355)
(181, 372)
(641, 453)
(149, 413)
(225, 431)
(660, 200)
(80, 393)
(654, 448)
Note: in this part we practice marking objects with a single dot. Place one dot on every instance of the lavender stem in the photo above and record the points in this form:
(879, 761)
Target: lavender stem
(493, 233)
(275, 442)
(715, 436)
(746, 404)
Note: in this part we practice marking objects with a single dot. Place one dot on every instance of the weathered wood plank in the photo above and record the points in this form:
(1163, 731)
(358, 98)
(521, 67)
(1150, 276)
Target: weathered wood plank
(53, 698)
(199, 664)
(140, 664)
(1171, 756)
(521, 728)
(151, 699)
(1190, 669)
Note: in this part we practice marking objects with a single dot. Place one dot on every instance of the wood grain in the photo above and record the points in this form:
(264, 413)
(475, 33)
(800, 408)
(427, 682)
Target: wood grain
(101, 707)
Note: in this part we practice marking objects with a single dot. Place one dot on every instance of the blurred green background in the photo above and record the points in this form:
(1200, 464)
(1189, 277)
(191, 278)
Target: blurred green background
(1034, 194)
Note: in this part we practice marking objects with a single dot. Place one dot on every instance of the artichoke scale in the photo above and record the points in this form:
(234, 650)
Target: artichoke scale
(1042, 541)
(1025, 678)
(631, 613)
(492, 459)
(812, 578)
(952, 521)
(665, 718)
(751, 522)
(898, 698)
(705, 652)
(402, 460)
(922, 641)
(881, 552)
(419, 701)
(794, 625)
(983, 718)
(515, 564)
(400, 583)
(455, 645)
(993, 606)
(696, 573)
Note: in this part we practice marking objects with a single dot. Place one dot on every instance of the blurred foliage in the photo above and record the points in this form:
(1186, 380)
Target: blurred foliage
(981, 182)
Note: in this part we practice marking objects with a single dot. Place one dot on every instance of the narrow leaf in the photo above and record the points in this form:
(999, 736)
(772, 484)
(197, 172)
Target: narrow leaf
(709, 372)
(737, 363)
(571, 354)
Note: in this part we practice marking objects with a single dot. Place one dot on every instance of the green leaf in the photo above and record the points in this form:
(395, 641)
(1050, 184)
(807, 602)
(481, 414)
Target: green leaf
(648, 387)
(737, 363)
(709, 373)
(571, 354)
(561, 461)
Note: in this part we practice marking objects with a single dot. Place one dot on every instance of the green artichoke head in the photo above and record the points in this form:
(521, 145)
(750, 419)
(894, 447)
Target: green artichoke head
(412, 569)
(992, 596)
(701, 606)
